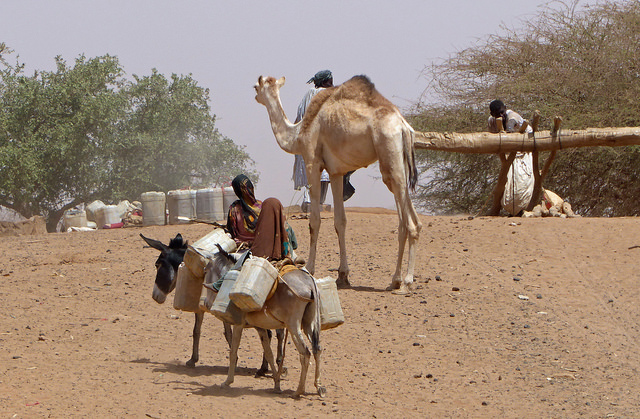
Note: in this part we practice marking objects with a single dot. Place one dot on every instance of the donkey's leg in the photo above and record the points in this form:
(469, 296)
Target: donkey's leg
(228, 334)
(197, 327)
(233, 354)
(265, 364)
(340, 225)
(305, 357)
(268, 354)
(311, 323)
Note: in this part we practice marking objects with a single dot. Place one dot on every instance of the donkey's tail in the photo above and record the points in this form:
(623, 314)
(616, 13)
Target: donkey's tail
(313, 313)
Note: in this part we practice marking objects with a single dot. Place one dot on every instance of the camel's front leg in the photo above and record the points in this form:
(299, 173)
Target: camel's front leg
(314, 217)
(197, 327)
(233, 354)
(340, 224)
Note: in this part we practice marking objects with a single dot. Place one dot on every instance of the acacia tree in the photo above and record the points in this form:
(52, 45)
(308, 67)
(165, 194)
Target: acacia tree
(581, 63)
(83, 132)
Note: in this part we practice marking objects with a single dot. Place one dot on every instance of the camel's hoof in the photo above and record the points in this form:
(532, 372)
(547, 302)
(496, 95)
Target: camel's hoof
(395, 285)
(343, 282)
(322, 391)
(277, 390)
(226, 384)
(191, 363)
(284, 372)
(403, 290)
(296, 395)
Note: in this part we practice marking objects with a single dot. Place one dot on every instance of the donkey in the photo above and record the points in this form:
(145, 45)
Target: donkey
(166, 275)
(294, 305)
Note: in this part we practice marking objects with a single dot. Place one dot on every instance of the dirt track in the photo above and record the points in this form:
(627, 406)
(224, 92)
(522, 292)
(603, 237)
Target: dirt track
(535, 319)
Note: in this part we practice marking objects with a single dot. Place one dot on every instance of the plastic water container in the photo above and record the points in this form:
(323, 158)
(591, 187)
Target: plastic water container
(204, 205)
(222, 307)
(228, 196)
(153, 208)
(198, 254)
(252, 287)
(330, 309)
(188, 290)
(75, 218)
(109, 214)
(181, 203)
(123, 208)
(216, 236)
(92, 210)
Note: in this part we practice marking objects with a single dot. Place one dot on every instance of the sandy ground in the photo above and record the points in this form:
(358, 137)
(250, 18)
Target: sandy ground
(508, 318)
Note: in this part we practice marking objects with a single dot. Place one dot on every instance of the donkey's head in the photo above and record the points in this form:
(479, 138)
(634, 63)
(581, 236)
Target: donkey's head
(167, 265)
(216, 268)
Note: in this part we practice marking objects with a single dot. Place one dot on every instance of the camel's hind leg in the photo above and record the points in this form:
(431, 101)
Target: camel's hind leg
(392, 169)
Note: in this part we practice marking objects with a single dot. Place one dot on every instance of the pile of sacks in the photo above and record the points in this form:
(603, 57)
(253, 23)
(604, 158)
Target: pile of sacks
(551, 206)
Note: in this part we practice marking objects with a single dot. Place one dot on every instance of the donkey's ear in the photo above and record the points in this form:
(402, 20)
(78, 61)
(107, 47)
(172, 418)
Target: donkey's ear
(155, 243)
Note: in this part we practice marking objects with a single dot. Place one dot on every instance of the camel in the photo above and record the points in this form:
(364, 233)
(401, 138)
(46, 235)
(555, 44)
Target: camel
(345, 128)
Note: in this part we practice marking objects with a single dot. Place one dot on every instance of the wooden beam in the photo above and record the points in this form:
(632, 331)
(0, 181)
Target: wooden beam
(487, 143)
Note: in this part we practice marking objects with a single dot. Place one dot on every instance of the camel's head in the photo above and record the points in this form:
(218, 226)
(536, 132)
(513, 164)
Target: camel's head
(267, 88)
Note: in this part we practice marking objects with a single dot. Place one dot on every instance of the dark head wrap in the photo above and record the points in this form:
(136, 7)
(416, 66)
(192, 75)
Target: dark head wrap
(243, 187)
(321, 77)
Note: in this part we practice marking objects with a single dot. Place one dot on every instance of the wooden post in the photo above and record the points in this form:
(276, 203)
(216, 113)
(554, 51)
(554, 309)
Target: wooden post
(537, 178)
(498, 191)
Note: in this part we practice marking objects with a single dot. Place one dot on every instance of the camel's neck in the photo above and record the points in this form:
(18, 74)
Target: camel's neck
(285, 132)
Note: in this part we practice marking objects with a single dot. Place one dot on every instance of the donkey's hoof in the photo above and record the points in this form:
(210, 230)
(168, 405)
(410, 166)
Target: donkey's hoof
(322, 391)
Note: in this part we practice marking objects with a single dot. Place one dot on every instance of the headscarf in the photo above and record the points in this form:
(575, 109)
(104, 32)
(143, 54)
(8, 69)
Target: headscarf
(321, 77)
(251, 207)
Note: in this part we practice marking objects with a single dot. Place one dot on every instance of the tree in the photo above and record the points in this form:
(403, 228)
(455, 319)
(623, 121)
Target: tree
(580, 63)
(83, 132)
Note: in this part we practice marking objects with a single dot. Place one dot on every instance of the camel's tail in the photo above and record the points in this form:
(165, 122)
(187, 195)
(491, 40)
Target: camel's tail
(409, 155)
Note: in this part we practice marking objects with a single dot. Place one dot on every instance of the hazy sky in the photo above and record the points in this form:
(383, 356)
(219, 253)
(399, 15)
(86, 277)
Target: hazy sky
(226, 45)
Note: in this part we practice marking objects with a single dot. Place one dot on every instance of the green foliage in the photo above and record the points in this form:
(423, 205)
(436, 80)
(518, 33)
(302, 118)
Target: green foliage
(579, 63)
(83, 132)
